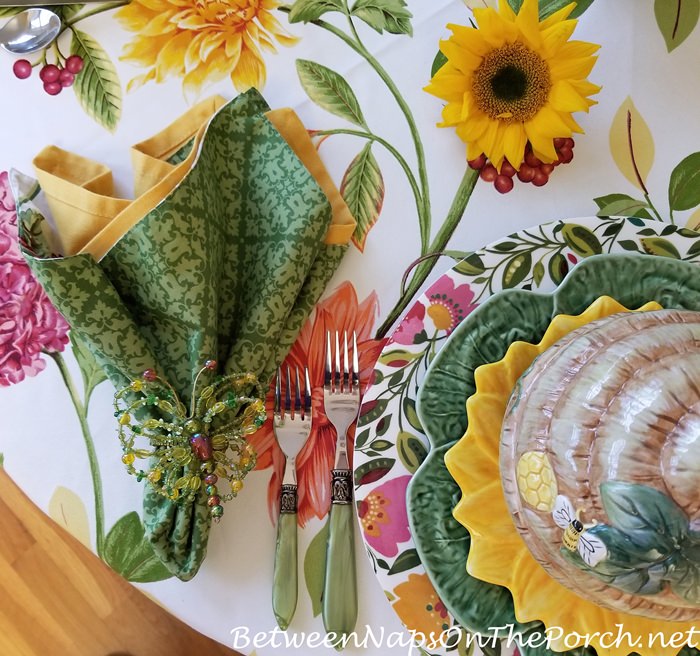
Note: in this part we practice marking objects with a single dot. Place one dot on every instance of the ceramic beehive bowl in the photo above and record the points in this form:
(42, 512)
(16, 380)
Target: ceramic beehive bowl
(600, 462)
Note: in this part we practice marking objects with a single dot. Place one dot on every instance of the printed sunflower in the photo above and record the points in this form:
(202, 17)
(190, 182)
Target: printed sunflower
(202, 41)
(512, 83)
(340, 311)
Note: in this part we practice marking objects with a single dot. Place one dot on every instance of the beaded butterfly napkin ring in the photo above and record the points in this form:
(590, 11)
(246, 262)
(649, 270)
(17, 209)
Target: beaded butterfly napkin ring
(189, 451)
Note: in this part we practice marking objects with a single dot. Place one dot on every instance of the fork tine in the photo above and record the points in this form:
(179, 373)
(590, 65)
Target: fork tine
(346, 363)
(307, 393)
(355, 361)
(287, 395)
(278, 392)
(297, 394)
(337, 363)
(327, 374)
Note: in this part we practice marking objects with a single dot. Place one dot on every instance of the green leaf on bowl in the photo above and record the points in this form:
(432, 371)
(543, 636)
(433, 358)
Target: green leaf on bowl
(472, 265)
(685, 579)
(406, 560)
(558, 267)
(650, 519)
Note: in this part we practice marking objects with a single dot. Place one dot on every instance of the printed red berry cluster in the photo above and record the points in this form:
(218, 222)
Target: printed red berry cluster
(532, 169)
(54, 77)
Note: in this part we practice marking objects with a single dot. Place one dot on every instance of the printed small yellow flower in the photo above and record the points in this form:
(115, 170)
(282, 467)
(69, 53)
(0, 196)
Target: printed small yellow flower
(202, 41)
(514, 79)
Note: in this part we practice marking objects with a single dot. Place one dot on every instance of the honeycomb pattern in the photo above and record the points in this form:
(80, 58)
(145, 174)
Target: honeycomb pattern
(536, 481)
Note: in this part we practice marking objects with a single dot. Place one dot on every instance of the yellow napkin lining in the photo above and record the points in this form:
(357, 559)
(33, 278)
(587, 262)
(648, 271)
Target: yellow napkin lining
(90, 219)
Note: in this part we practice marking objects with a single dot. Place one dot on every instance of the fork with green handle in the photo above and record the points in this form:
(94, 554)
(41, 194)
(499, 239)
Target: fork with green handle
(341, 401)
(292, 427)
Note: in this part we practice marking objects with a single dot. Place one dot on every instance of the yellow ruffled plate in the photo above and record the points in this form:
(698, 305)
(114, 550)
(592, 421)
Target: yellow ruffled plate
(498, 554)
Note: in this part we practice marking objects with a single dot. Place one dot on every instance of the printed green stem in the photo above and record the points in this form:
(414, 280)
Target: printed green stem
(93, 12)
(647, 198)
(90, 448)
(396, 154)
(454, 215)
(357, 45)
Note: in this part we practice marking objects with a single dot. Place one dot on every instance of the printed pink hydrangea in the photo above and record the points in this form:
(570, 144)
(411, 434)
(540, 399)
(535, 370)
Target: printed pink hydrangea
(29, 323)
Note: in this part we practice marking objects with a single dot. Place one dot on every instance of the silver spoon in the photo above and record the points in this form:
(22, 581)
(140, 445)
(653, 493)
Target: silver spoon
(30, 30)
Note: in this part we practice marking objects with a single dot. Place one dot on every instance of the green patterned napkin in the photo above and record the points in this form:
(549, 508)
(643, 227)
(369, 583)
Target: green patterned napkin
(226, 267)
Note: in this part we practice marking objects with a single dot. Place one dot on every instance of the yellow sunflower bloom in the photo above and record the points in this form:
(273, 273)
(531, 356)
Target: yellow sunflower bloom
(514, 79)
(202, 41)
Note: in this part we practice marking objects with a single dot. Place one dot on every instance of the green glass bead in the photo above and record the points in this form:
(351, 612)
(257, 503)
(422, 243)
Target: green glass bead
(217, 511)
(211, 490)
(151, 399)
(193, 426)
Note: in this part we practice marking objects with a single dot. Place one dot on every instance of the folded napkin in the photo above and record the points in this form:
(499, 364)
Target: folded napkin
(234, 234)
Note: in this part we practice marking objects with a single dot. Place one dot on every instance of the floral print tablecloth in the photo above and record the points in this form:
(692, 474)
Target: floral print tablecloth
(357, 82)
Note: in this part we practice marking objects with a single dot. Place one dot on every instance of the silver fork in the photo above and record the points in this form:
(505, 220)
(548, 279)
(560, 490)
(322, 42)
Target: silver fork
(292, 427)
(341, 401)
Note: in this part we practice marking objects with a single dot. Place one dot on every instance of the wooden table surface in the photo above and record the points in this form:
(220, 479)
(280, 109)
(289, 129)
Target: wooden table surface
(80, 608)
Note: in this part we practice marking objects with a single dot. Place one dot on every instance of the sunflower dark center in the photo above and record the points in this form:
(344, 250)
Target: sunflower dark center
(512, 83)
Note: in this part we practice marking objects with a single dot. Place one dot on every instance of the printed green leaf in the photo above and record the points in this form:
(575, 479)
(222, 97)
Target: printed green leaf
(92, 373)
(129, 553)
(558, 267)
(363, 190)
(330, 91)
(684, 186)
(628, 245)
(505, 246)
(548, 7)
(676, 20)
(372, 410)
(411, 451)
(439, 61)
(373, 470)
(581, 240)
(472, 265)
(660, 246)
(66, 12)
(694, 249)
(361, 438)
(409, 410)
(380, 445)
(7, 12)
(516, 270)
(97, 86)
(2, 460)
(382, 426)
(315, 568)
(389, 15)
(685, 579)
(538, 273)
(621, 205)
(650, 519)
(398, 357)
(406, 560)
(304, 11)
